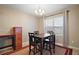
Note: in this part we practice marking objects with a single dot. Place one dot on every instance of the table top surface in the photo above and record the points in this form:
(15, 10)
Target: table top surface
(43, 35)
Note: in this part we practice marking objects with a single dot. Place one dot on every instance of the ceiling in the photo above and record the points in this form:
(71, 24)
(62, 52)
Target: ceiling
(30, 8)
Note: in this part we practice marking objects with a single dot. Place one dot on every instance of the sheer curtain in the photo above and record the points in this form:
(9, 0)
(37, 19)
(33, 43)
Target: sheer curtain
(55, 23)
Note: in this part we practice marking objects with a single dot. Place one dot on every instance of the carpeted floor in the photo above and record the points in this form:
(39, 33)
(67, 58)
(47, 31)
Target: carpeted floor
(58, 51)
(25, 51)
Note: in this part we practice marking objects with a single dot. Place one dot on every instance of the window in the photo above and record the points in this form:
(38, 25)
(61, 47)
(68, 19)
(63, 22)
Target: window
(55, 23)
(58, 21)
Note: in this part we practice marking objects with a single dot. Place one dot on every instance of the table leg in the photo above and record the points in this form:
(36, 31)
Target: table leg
(54, 45)
(41, 47)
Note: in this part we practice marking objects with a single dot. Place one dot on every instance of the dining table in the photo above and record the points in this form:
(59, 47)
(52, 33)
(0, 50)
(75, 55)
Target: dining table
(44, 36)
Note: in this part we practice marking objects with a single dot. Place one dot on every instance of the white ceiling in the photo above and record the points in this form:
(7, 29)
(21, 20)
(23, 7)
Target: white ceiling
(30, 8)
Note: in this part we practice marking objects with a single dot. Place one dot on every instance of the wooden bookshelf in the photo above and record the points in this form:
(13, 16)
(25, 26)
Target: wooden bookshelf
(17, 31)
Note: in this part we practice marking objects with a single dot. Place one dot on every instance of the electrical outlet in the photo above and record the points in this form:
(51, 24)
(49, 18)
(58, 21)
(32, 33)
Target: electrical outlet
(72, 41)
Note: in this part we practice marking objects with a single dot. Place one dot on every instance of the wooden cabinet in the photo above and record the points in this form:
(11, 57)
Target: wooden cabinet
(17, 31)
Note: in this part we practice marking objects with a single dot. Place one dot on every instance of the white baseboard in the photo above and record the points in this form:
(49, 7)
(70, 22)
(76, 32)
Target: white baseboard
(59, 44)
(75, 48)
(25, 43)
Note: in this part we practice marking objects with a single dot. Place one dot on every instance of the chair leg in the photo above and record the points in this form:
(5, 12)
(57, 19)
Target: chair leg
(54, 48)
(34, 50)
(50, 49)
(54, 51)
(54, 45)
(29, 50)
(46, 46)
(43, 45)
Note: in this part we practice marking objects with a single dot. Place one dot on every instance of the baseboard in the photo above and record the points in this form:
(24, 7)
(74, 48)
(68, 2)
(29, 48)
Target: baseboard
(25, 43)
(59, 44)
(76, 48)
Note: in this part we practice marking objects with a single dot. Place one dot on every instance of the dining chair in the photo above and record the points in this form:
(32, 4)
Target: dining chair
(49, 44)
(50, 32)
(35, 43)
(30, 41)
(36, 32)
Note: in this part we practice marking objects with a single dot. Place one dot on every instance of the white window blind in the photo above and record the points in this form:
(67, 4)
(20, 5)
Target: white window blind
(55, 23)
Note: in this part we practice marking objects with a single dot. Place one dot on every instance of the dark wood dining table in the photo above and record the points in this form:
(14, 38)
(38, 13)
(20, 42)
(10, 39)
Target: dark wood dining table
(42, 37)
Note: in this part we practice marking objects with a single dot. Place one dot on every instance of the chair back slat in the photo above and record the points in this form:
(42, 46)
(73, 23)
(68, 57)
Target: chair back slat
(31, 40)
(36, 32)
(50, 32)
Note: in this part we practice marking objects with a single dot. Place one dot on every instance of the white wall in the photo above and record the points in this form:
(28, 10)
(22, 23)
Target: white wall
(11, 18)
(73, 26)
